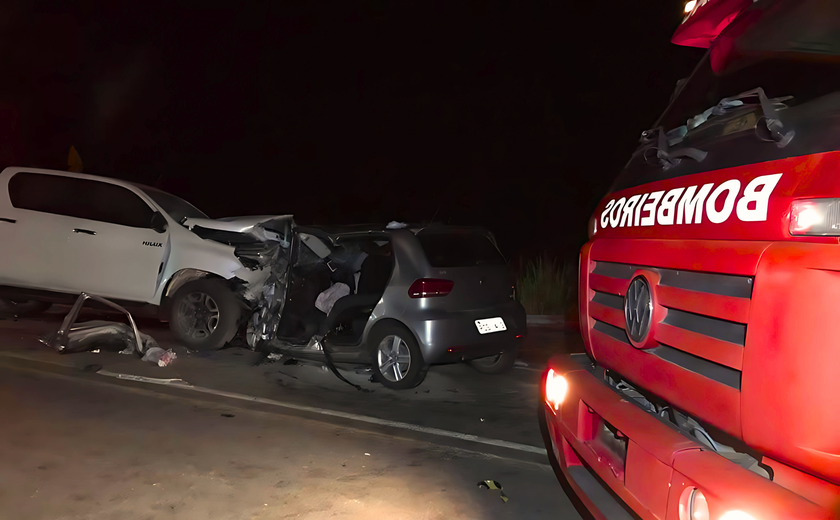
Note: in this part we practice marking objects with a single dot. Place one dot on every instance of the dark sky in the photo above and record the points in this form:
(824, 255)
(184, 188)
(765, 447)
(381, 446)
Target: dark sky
(513, 115)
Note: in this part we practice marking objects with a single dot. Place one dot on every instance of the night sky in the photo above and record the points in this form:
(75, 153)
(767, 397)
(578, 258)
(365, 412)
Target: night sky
(513, 115)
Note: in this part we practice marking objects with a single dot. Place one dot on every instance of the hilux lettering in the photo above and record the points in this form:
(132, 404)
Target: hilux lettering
(688, 205)
(152, 244)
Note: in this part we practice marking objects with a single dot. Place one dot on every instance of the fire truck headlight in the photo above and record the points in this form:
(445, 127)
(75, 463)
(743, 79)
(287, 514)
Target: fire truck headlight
(693, 505)
(815, 217)
(556, 388)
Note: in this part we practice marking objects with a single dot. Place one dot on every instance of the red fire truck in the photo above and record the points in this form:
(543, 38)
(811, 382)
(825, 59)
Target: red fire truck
(710, 288)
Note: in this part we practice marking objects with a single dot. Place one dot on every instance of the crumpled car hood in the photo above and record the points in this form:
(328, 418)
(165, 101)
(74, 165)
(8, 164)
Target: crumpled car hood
(235, 224)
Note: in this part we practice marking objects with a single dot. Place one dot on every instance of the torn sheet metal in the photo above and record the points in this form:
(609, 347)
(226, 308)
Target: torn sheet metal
(250, 224)
(81, 337)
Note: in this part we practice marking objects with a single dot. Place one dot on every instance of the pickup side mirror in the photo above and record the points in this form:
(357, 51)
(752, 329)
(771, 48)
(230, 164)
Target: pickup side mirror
(159, 223)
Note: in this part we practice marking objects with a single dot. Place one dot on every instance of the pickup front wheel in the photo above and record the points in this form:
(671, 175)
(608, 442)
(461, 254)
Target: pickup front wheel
(204, 314)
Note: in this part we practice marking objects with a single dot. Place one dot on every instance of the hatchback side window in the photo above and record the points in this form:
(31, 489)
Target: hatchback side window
(80, 198)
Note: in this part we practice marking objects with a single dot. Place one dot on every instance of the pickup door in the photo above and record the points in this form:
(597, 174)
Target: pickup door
(71, 234)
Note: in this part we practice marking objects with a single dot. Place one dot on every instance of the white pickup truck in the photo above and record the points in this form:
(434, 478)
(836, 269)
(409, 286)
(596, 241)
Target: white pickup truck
(65, 233)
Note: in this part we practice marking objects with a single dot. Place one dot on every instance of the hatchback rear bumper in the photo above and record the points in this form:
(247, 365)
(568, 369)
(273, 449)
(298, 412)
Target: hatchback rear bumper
(658, 466)
(453, 336)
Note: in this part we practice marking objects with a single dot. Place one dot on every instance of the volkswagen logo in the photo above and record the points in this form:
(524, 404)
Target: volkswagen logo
(638, 309)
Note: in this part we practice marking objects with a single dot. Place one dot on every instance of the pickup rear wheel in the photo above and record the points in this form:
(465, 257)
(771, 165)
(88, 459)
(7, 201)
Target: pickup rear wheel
(205, 314)
(16, 307)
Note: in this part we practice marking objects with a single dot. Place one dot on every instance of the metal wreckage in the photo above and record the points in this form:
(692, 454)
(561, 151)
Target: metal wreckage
(267, 251)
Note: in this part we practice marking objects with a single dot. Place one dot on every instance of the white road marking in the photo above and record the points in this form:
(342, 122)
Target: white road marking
(333, 413)
(180, 383)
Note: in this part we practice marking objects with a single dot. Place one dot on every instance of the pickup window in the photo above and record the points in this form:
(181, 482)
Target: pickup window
(79, 198)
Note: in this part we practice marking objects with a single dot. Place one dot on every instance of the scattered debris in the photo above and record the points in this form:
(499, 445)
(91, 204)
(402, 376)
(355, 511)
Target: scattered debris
(94, 351)
(482, 419)
(228, 415)
(367, 454)
(141, 379)
(453, 390)
(159, 356)
(396, 225)
(520, 364)
(82, 337)
(492, 484)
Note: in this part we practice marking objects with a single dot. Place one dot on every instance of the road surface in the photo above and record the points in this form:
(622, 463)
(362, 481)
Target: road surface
(80, 444)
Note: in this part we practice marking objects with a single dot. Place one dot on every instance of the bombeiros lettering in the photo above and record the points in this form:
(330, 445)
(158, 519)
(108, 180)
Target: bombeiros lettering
(693, 204)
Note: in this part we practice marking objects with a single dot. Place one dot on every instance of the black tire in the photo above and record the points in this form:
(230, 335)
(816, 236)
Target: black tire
(417, 368)
(16, 307)
(498, 364)
(204, 314)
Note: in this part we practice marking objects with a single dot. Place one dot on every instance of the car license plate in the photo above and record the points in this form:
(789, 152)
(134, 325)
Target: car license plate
(490, 325)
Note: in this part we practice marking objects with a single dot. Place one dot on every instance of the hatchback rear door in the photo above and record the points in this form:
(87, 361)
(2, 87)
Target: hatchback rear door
(470, 259)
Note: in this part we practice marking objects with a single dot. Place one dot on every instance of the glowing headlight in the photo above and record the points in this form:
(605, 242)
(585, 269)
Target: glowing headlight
(556, 388)
(693, 505)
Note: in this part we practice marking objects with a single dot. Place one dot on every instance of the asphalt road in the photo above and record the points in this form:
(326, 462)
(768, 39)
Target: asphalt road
(300, 443)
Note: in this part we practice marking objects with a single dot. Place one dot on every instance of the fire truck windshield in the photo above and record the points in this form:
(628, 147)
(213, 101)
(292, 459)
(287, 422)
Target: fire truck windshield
(786, 47)
(779, 75)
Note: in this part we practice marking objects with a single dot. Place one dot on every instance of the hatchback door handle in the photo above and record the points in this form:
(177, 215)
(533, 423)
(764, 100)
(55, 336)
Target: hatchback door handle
(85, 231)
(9, 220)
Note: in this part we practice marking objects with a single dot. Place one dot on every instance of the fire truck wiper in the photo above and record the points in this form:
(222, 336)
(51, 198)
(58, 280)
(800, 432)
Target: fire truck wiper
(771, 118)
(665, 155)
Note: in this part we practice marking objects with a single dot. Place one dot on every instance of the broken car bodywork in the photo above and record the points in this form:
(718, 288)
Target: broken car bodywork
(73, 337)
(260, 250)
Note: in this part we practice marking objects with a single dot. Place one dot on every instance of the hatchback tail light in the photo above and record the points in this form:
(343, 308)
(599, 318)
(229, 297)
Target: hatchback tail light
(429, 287)
(815, 217)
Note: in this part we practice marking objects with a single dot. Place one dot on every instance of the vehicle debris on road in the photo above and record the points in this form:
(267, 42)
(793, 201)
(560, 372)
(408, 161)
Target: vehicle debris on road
(91, 335)
(492, 484)
(159, 356)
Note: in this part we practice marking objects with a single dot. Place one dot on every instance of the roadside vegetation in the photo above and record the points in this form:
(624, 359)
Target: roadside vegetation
(547, 286)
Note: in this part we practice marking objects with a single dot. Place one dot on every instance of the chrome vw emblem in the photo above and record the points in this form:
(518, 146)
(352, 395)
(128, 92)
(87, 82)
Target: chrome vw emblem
(638, 309)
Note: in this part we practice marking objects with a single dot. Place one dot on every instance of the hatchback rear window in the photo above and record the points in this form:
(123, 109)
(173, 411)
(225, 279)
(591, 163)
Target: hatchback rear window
(459, 249)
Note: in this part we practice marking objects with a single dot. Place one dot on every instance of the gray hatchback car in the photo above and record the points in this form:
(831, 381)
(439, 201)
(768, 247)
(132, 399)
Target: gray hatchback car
(398, 298)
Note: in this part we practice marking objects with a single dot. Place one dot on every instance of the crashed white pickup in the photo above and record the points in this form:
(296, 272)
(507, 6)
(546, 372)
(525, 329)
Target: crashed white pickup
(66, 233)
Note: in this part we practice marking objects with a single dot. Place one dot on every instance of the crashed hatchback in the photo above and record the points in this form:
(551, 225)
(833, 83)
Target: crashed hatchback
(397, 298)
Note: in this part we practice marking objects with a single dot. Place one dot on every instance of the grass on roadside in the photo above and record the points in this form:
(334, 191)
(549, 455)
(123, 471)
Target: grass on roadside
(547, 286)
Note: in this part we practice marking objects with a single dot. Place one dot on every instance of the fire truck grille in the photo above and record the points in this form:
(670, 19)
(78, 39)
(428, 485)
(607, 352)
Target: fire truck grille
(700, 319)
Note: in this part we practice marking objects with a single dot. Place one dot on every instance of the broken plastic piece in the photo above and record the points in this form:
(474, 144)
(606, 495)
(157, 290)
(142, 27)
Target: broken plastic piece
(72, 337)
(492, 484)
(159, 356)
(396, 225)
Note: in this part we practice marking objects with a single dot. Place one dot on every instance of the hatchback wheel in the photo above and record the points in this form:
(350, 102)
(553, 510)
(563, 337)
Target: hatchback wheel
(205, 314)
(19, 307)
(397, 360)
